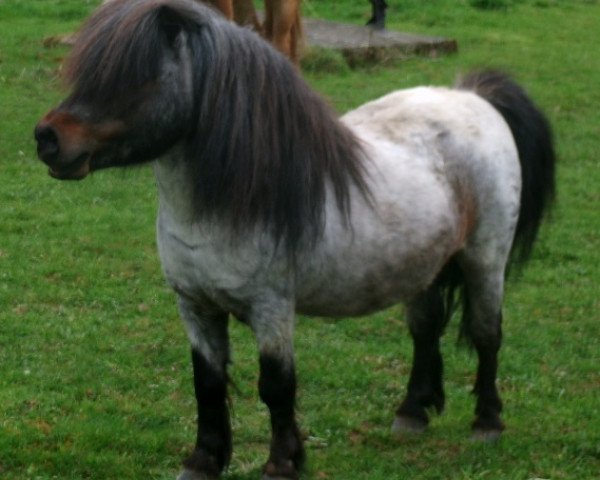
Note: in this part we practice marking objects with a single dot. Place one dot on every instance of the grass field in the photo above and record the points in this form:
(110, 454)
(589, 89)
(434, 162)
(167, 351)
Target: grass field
(95, 381)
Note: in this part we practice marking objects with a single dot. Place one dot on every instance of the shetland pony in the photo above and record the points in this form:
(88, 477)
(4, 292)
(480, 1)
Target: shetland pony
(270, 205)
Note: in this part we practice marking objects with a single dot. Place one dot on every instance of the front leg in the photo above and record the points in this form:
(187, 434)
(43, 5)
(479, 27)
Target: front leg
(277, 389)
(207, 331)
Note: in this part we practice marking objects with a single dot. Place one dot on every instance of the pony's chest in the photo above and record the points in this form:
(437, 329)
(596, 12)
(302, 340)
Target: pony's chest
(202, 266)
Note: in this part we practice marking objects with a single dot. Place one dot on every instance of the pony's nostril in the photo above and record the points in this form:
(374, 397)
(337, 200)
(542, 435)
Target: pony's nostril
(47, 142)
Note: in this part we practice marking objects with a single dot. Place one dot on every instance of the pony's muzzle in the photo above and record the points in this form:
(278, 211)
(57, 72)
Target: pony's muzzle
(47, 143)
(62, 165)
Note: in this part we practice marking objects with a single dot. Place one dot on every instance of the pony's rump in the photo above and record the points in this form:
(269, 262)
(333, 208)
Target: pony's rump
(534, 140)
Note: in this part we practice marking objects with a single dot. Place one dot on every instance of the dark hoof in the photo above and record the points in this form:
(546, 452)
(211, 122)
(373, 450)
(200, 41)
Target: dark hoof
(191, 475)
(486, 436)
(285, 471)
(408, 425)
(200, 465)
(487, 429)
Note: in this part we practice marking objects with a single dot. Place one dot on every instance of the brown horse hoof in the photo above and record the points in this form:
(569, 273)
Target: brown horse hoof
(408, 425)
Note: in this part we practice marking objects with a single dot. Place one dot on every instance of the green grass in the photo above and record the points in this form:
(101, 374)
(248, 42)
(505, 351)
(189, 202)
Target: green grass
(95, 381)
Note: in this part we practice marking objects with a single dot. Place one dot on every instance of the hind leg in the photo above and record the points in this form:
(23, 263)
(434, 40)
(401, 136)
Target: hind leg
(207, 331)
(484, 329)
(425, 389)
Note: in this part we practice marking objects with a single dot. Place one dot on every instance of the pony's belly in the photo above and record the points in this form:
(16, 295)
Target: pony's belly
(360, 286)
(347, 305)
(390, 255)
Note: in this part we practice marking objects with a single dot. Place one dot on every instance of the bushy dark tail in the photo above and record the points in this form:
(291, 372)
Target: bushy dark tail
(533, 137)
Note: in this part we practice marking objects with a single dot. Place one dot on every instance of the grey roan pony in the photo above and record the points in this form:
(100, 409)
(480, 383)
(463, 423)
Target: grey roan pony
(270, 205)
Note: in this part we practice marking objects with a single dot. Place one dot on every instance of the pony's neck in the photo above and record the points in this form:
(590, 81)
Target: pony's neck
(265, 148)
(175, 187)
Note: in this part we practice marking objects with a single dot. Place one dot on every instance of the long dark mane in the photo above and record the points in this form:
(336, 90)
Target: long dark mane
(265, 146)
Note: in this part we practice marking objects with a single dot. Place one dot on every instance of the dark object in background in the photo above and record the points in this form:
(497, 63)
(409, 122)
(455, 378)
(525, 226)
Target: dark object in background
(377, 21)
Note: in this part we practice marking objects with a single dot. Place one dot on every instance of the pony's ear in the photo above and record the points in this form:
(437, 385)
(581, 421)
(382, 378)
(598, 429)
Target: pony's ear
(171, 23)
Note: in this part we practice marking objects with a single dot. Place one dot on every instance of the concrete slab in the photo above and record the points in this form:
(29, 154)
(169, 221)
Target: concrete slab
(358, 43)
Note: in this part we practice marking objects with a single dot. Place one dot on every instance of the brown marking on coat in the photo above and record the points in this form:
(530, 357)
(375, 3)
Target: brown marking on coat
(467, 216)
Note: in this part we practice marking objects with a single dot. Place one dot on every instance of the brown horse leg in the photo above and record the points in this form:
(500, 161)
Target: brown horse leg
(282, 26)
(244, 14)
(224, 6)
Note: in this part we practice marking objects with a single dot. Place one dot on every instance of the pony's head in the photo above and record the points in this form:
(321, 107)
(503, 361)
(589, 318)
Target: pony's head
(260, 145)
(131, 78)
